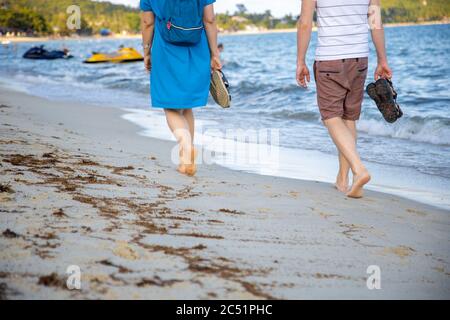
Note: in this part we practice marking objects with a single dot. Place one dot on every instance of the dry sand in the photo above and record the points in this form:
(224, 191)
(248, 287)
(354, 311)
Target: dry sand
(80, 187)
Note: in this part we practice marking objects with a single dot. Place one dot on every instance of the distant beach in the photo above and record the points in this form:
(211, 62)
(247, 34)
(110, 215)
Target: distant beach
(243, 32)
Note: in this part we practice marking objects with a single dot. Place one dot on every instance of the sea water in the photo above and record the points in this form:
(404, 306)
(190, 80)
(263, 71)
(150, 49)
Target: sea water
(410, 158)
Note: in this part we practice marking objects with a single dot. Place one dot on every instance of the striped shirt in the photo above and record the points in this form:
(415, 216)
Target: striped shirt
(343, 29)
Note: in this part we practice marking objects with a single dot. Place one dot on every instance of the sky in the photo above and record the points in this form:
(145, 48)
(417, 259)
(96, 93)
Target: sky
(278, 7)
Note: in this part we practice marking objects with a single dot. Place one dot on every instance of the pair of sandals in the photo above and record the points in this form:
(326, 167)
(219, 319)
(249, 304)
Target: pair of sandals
(220, 89)
(385, 96)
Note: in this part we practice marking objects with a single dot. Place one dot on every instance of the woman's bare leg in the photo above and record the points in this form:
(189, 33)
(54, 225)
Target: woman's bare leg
(344, 166)
(181, 130)
(346, 144)
(189, 116)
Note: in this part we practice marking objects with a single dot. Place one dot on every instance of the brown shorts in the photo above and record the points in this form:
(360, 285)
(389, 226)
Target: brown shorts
(340, 87)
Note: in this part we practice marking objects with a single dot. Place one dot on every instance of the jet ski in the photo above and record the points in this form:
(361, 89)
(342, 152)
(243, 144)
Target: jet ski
(121, 56)
(39, 53)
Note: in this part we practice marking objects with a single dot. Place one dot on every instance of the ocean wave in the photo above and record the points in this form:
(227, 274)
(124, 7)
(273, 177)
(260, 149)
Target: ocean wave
(232, 65)
(294, 115)
(129, 85)
(434, 130)
(247, 87)
(425, 100)
(54, 80)
(286, 89)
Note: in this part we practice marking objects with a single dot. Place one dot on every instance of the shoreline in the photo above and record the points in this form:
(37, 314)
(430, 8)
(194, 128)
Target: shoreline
(235, 33)
(84, 188)
(293, 163)
(429, 193)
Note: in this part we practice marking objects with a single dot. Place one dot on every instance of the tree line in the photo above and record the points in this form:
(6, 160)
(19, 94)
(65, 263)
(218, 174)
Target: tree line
(43, 17)
(394, 11)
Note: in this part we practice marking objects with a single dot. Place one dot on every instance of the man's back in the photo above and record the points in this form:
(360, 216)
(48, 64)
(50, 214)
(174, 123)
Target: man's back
(343, 29)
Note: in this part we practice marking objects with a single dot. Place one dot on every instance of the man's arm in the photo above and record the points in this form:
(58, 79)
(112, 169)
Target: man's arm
(304, 29)
(209, 21)
(148, 29)
(377, 30)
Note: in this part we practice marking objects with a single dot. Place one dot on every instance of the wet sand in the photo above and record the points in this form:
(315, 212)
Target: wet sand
(79, 186)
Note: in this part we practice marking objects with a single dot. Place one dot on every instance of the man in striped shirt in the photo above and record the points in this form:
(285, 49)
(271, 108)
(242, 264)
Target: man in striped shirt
(340, 71)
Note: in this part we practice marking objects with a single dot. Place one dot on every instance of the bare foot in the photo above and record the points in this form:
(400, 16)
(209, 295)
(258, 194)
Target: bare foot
(181, 167)
(187, 162)
(191, 168)
(341, 184)
(359, 181)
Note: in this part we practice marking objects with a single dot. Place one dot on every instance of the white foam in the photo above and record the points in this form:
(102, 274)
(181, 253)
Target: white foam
(434, 131)
(13, 86)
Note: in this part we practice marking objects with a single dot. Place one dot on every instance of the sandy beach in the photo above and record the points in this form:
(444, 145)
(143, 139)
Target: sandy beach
(80, 187)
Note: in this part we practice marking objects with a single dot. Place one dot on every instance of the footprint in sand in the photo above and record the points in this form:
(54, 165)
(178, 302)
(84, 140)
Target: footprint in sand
(123, 250)
(294, 194)
(400, 251)
(416, 212)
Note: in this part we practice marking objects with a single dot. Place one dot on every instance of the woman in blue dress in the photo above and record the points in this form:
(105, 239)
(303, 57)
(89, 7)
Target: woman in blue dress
(180, 75)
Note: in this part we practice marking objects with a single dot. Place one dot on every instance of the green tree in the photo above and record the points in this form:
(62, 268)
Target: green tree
(23, 20)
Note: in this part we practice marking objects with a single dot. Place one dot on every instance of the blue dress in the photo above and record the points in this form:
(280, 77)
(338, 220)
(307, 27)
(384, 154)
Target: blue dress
(180, 76)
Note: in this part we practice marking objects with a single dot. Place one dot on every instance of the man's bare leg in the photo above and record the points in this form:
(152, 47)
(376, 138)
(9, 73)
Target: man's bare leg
(346, 144)
(344, 167)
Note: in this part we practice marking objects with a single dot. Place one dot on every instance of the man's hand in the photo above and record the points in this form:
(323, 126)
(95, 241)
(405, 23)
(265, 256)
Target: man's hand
(215, 63)
(148, 62)
(303, 75)
(383, 71)
(304, 29)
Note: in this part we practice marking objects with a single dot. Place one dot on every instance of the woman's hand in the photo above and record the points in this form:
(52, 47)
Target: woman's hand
(148, 31)
(148, 62)
(215, 63)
